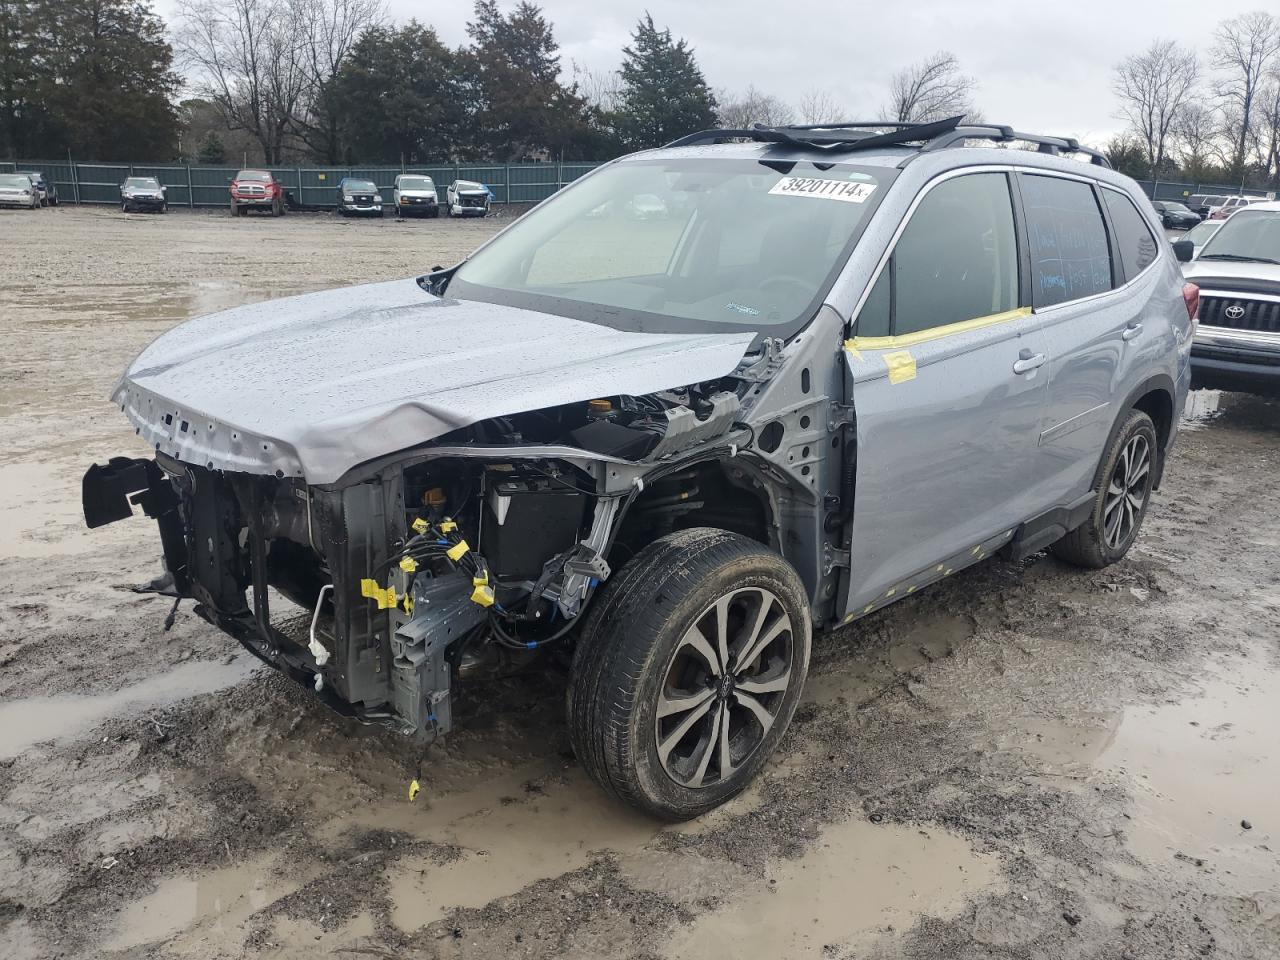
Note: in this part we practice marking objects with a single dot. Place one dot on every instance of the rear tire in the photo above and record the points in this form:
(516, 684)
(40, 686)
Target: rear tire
(646, 703)
(1121, 497)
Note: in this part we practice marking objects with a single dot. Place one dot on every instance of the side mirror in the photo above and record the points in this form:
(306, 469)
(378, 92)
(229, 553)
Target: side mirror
(1184, 250)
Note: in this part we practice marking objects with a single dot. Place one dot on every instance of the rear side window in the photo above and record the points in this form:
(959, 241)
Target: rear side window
(1067, 240)
(1134, 243)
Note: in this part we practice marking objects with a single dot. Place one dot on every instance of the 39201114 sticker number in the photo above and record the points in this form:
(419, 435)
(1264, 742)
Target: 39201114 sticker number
(823, 189)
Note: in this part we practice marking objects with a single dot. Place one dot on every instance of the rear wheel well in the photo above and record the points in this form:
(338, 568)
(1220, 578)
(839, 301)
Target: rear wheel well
(1158, 405)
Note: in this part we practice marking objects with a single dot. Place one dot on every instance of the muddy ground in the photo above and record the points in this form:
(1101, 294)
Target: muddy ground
(1027, 760)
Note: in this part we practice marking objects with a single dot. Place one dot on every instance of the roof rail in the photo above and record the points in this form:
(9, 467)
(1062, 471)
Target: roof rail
(866, 134)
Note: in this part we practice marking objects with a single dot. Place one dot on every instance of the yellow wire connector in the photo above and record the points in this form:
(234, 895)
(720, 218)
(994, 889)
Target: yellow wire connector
(483, 595)
(457, 551)
(419, 526)
(409, 565)
(448, 526)
(386, 599)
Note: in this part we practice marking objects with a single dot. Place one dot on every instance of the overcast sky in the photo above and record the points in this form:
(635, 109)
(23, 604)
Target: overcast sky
(1043, 67)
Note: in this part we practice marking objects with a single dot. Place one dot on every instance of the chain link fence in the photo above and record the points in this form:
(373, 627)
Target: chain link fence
(309, 186)
(1179, 191)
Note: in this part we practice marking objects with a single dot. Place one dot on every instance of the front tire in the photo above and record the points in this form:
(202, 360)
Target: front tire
(1121, 497)
(688, 670)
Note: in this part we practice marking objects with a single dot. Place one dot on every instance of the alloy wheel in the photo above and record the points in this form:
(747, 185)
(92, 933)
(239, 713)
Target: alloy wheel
(723, 687)
(1127, 492)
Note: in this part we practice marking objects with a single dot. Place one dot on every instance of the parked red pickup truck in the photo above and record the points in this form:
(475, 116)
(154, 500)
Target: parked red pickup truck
(257, 189)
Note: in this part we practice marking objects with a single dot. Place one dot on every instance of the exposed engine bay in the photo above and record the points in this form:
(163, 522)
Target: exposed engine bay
(476, 549)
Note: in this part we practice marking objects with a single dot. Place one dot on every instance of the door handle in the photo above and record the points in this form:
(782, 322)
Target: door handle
(1132, 330)
(1027, 362)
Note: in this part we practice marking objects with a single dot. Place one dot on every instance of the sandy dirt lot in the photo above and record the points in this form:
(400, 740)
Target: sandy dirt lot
(1028, 760)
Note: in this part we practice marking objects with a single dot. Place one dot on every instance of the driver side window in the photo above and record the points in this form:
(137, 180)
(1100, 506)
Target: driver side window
(956, 260)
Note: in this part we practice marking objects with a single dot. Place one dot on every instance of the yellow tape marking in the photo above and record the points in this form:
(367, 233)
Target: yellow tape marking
(902, 366)
(935, 333)
(852, 347)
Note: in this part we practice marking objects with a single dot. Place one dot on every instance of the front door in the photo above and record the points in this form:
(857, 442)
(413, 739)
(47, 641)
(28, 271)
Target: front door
(948, 374)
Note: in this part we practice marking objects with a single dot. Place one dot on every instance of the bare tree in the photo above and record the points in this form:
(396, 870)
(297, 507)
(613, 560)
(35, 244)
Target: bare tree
(1154, 87)
(933, 89)
(600, 88)
(248, 61)
(753, 106)
(329, 29)
(1269, 126)
(819, 106)
(1243, 49)
(1197, 135)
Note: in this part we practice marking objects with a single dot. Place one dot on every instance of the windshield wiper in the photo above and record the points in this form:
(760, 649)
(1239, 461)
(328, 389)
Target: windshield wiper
(1236, 256)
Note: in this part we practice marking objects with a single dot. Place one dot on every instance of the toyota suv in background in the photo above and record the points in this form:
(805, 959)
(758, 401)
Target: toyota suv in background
(846, 364)
(414, 194)
(257, 190)
(1237, 343)
(359, 196)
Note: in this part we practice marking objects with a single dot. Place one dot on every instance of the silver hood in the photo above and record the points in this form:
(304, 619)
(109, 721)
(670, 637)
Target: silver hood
(314, 385)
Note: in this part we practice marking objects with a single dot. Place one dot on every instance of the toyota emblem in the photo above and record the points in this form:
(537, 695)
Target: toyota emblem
(1235, 311)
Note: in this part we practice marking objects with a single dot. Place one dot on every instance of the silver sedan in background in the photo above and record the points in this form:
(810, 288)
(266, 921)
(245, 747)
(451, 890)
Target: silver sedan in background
(18, 190)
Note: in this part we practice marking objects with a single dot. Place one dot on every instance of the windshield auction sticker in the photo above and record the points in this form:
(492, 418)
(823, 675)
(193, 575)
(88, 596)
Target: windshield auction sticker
(823, 189)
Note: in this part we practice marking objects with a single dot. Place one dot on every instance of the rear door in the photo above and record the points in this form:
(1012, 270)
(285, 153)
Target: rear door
(1083, 237)
(948, 389)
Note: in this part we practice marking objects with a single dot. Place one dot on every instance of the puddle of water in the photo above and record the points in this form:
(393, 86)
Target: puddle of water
(856, 879)
(1065, 747)
(35, 719)
(1207, 407)
(507, 846)
(217, 903)
(1202, 766)
(36, 521)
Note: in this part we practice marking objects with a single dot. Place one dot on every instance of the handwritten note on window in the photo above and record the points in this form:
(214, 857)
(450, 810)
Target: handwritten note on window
(1067, 239)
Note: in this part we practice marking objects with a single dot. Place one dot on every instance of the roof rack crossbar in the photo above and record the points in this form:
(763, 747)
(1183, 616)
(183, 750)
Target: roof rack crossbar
(828, 136)
(1003, 134)
(849, 135)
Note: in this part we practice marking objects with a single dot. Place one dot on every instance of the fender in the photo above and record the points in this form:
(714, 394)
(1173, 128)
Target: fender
(1163, 383)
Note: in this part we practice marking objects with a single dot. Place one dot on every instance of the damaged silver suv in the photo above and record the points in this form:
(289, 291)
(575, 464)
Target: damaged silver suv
(835, 365)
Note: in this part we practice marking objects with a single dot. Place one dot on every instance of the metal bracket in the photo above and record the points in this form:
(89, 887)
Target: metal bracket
(840, 415)
(766, 365)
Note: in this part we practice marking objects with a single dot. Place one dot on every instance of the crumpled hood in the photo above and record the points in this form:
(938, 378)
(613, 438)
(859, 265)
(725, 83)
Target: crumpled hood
(315, 385)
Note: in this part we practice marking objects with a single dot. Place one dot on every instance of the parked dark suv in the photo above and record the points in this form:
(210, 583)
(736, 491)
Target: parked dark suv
(846, 363)
(358, 196)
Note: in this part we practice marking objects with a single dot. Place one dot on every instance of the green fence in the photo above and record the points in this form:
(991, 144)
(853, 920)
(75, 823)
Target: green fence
(192, 186)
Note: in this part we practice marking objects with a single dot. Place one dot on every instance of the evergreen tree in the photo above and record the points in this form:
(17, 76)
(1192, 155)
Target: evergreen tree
(108, 79)
(18, 72)
(400, 94)
(212, 150)
(514, 68)
(663, 94)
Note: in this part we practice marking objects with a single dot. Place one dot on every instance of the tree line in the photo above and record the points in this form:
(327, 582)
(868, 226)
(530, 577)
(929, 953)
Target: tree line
(335, 82)
(1205, 116)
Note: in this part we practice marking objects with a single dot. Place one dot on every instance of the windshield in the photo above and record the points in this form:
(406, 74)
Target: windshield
(1249, 235)
(14, 180)
(260, 176)
(143, 183)
(1177, 207)
(417, 183)
(1202, 231)
(359, 186)
(682, 245)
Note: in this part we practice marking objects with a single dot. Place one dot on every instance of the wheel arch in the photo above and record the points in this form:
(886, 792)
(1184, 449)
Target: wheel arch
(1154, 397)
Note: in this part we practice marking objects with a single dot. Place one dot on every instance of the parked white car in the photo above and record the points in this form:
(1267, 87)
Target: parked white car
(18, 190)
(466, 198)
(415, 194)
